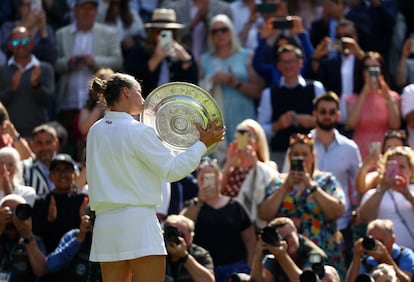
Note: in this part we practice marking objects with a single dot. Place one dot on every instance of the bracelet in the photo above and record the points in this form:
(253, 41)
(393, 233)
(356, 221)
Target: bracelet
(184, 258)
(313, 189)
(17, 138)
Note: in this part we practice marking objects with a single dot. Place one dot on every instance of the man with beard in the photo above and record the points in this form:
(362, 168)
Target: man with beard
(337, 154)
(45, 145)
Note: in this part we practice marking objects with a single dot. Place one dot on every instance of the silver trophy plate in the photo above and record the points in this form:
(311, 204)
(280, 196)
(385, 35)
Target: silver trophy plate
(173, 108)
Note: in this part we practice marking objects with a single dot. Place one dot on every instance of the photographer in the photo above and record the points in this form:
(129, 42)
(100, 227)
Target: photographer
(289, 253)
(185, 261)
(21, 253)
(379, 247)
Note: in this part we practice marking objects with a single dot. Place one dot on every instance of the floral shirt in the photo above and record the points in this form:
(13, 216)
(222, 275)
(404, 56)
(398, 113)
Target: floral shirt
(309, 218)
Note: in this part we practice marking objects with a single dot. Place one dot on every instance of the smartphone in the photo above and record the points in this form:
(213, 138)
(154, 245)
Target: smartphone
(36, 5)
(335, 45)
(242, 141)
(391, 168)
(296, 164)
(209, 180)
(282, 23)
(375, 148)
(166, 37)
(266, 8)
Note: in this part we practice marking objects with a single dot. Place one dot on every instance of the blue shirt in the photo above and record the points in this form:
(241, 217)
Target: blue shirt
(64, 252)
(343, 159)
(405, 263)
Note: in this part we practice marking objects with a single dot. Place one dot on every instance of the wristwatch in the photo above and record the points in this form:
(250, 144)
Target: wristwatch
(184, 258)
(27, 240)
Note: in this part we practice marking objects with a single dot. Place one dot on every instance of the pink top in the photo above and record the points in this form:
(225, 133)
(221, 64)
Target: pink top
(373, 120)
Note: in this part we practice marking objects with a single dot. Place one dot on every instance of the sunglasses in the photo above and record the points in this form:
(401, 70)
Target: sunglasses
(394, 133)
(242, 131)
(299, 138)
(214, 31)
(331, 112)
(22, 42)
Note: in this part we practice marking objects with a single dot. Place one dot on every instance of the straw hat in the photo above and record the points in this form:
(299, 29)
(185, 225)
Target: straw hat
(164, 18)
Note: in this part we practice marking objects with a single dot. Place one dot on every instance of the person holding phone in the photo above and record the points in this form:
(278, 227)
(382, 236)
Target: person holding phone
(222, 226)
(393, 197)
(373, 108)
(161, 57)
(313, 199)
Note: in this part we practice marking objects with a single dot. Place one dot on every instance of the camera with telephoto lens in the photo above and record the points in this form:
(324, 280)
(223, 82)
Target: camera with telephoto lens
(369, 243)
(270, 236)
(23, 211)
(318, 269)
(171, 234)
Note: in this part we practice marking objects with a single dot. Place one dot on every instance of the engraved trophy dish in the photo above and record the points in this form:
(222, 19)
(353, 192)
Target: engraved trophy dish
(173, 108)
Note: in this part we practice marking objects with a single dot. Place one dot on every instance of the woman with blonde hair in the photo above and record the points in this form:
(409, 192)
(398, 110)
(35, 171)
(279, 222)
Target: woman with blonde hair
(394, 196)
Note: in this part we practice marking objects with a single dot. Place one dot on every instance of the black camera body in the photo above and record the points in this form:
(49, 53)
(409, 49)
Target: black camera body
(171, 234)
(270, 236)
(282, 23)
(369, 243)
(23, 211)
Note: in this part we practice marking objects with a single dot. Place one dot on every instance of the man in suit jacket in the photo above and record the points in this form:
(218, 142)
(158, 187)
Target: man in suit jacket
(194, 34)
(83, 48)
(335, 67)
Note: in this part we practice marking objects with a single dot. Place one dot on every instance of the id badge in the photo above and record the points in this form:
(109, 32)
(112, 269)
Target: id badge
(5, 276)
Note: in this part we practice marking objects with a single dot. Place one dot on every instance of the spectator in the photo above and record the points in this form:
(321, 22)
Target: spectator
(385, 250)
(263, 61)
(247, 23)
(373, 108)
(58, 13)
(156, 63)
(40, 32)
(394, 197)
(248, 168)
(45, 144)
(279, 113)
(10, 182)
(334, 63)
(337, 154)
(325, 26)
(308, 10)
(10, 136)
(186, 261)
(89, 114)
(232, 242)
(227, 66)
(59, 210)
(26, 84)
(83, 48)
(23, 253)
(405, 69)
(70, 260)
(384, 272)
(407, 110)
(313, 199)
(368, 174)
(195, 15)
(182, 192)
(128, 23)
(287, 256)
(374, 21)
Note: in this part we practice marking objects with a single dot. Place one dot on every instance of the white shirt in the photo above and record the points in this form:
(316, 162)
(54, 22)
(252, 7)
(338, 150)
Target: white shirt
(126, 163)
(347, 78)
(387, 210)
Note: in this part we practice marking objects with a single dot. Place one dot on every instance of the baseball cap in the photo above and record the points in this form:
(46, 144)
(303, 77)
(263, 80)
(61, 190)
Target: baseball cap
(62, 158)
(80, 2)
